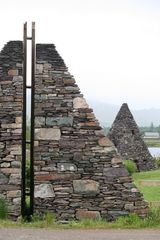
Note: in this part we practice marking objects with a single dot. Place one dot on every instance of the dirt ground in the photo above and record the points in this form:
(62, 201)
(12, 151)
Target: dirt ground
(45, 234)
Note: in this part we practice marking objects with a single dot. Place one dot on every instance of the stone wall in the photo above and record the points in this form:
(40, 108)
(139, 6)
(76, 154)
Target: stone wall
(126, 137)
(78, 173)
(10, 125)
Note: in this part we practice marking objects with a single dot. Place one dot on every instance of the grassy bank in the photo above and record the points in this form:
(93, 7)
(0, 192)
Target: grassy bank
(130, 222)
(151, 193)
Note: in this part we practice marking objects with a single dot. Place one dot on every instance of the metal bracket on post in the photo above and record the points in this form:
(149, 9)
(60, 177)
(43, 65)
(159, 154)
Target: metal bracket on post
(25, 211)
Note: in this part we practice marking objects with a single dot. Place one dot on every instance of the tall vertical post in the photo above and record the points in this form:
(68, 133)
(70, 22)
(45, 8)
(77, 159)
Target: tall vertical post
(32, 122)
(23, 181)
(27, 211)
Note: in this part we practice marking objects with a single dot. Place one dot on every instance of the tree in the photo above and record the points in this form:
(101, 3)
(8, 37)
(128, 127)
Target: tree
(151, 127)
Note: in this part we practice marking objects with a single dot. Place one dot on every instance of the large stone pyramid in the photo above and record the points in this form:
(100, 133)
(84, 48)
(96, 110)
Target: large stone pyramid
(77, 170)
(126, 136)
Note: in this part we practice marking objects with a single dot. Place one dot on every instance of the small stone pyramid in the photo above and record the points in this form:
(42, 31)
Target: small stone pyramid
(126, 137)
(78, 173)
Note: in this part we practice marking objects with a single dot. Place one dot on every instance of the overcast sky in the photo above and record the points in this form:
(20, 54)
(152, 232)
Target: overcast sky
(112, 47)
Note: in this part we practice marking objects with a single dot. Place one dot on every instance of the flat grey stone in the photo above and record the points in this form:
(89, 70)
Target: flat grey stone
(66, 167)
(44, 191)
(87, 187)
(115, 172)
(47, 134)
(39, 121)
(3, 179)
(60, 121)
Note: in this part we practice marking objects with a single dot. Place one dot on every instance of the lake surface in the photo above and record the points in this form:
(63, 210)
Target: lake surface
(155, 151)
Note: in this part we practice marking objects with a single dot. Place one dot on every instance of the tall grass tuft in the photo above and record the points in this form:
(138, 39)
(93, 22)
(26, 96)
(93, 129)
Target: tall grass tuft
(3, 209)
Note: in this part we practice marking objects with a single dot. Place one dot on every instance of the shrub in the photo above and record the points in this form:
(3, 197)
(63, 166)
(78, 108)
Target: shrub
(3, 209)
(130, 166)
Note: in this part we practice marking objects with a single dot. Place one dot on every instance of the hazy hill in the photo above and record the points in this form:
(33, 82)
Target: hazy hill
(106, 114)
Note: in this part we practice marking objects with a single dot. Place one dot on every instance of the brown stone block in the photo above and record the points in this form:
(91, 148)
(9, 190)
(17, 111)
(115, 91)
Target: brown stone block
(90, 124)
(13, 72)
(13, 194)
(90, 115)
(5, 82)
(56, 176)
(79, 102)
(68, 81)
(10, 170)
(7, 99)
(18, 120)
(12, 125)
(9, 187)
(141, 212)
(116, 160)
(85, 214)
(72, 144)
(105, 142)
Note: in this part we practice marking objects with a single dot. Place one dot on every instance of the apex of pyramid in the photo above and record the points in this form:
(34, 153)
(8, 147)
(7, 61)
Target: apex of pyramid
(124, 112)
(48, 53)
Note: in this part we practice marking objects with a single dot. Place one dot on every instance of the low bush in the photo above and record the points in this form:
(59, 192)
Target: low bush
(130, 166)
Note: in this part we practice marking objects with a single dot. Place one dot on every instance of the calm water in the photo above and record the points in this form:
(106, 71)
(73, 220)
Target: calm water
(155, 151)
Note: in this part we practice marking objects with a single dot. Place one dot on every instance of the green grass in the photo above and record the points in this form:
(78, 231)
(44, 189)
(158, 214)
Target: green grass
(152, 142)
(151, 193)
(130, 222)
(150, 175)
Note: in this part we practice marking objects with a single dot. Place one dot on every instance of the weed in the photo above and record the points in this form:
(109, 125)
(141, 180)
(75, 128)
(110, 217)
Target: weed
(130, 166)
(3, 209)
(49, 218)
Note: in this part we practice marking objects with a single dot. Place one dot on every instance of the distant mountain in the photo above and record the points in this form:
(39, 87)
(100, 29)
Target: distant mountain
(106, 114)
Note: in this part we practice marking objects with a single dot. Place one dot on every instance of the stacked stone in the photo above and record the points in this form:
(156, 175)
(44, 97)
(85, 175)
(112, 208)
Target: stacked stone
(126, 137)
(11, 125)
(78, 173)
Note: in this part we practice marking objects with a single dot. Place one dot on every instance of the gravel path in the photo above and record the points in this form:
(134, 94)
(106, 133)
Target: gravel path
(43, 234)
